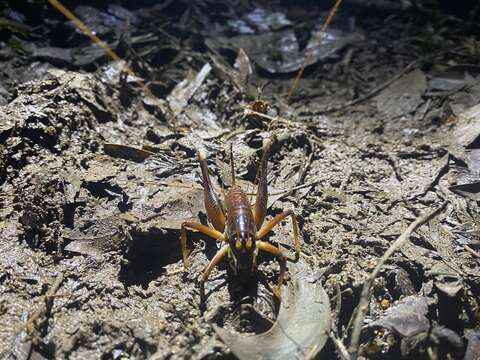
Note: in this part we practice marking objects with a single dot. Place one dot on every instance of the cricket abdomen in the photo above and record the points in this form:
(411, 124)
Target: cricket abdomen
(239, 213)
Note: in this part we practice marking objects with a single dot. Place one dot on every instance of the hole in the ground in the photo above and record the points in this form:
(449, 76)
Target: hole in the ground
(450, 311)
(111, 192)
(44, 350)
(69, 215)
(399, 283)
(415, 273)
(420, 241)
(149, 253)
(349, 303)
(164, 56)
(39, 136)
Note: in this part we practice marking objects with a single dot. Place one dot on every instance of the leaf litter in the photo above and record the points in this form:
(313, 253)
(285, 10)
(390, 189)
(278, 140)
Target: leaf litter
(96, 179)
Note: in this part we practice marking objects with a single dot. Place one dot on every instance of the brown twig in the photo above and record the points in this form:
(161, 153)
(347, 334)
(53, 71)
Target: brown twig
(102, 44)
(382, 86)
(471, 251)
(362, 307)
(306, 163)
(311, 53)
(84, 29)
(45, 306)
(295, 188)
(372, 92)
(339, 345)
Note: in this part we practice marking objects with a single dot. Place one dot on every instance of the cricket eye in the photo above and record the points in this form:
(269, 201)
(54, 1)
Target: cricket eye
(249, 243)
(238, 244)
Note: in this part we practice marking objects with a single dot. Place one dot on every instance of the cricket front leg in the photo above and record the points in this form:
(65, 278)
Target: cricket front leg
(282, 260)
(265, 229)
(260, 208)
(213, 206)
(203, 229)
(206, 273)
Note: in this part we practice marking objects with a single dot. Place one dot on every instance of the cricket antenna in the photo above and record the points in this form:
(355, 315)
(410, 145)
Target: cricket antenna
(231, 164)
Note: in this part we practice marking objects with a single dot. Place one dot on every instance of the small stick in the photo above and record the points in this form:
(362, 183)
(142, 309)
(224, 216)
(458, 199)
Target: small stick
(383, 85)
(311, 53)
(232, 166)
(339, 345)
(362, 307)
(289, 191)
(259, 114)
(102, 44)
(373, 91)
(427, 106)
(471, 251)
(43, 308)
(84, 29)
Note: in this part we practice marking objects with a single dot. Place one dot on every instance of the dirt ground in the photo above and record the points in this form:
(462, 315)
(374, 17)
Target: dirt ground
(98, 172)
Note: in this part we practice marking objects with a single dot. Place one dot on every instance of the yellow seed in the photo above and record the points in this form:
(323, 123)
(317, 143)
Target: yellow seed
(385, 303)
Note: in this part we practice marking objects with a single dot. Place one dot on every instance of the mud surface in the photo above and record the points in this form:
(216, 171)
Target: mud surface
(97, 176)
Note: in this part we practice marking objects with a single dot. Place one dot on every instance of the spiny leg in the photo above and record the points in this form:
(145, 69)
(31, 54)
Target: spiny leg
(265, 229)
(260, 208)
(213, 206)
(206, 273)
(203, 229)
(282, 260)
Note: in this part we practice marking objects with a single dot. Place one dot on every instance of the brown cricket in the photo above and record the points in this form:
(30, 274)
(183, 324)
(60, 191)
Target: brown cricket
(239, 224)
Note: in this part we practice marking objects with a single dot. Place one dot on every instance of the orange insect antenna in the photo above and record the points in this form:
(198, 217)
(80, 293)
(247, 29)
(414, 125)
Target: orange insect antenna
(232, 165)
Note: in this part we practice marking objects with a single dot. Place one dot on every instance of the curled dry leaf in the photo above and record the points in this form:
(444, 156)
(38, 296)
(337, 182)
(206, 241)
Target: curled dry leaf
(300, 330)
(473, 347)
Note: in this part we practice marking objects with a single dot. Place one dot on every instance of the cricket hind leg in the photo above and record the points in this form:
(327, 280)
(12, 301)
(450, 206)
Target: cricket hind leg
(260, 208)
(213, 206)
